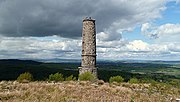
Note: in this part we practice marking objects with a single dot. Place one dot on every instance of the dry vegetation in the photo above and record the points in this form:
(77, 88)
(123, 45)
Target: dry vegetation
(74, 91)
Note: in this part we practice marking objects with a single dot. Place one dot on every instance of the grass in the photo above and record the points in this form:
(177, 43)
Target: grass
(84, 91)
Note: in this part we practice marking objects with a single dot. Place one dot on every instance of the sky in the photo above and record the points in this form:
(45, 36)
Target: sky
(126, 29)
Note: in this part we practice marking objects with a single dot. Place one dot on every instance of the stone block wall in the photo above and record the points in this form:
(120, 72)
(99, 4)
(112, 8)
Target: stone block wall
(88, 46)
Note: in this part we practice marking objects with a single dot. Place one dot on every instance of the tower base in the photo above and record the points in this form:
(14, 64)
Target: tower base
(84, 69)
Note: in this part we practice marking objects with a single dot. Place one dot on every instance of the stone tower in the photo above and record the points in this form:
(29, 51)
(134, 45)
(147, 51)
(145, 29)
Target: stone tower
(88, 47)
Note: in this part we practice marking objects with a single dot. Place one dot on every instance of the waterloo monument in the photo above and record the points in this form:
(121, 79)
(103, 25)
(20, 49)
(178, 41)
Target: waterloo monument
(88, 63)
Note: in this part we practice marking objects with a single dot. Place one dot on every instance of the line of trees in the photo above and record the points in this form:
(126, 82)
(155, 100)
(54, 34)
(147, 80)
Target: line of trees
(87, 76)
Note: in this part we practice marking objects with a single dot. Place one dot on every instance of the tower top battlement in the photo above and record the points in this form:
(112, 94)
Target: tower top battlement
(88, 19)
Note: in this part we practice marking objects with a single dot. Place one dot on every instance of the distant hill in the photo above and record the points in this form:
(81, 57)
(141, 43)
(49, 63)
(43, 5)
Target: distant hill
(17, 61)
(167, 62)
(10, 69)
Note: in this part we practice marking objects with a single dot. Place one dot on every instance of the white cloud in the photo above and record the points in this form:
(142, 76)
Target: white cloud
(137, 45)
(164, 33)
(54, 47)
(38, 48)
(168, 29)
(139, 49)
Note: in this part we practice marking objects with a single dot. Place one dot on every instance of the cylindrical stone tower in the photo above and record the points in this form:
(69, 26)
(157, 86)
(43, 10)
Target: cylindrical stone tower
(88, 47)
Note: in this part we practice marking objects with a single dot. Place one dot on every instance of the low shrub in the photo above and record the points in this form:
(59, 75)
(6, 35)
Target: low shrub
(56, 77)
(117, 79)
(175, 83)
(147, 80)
(70, 78)
(87, 76)
(133, 81)
(25, 77)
